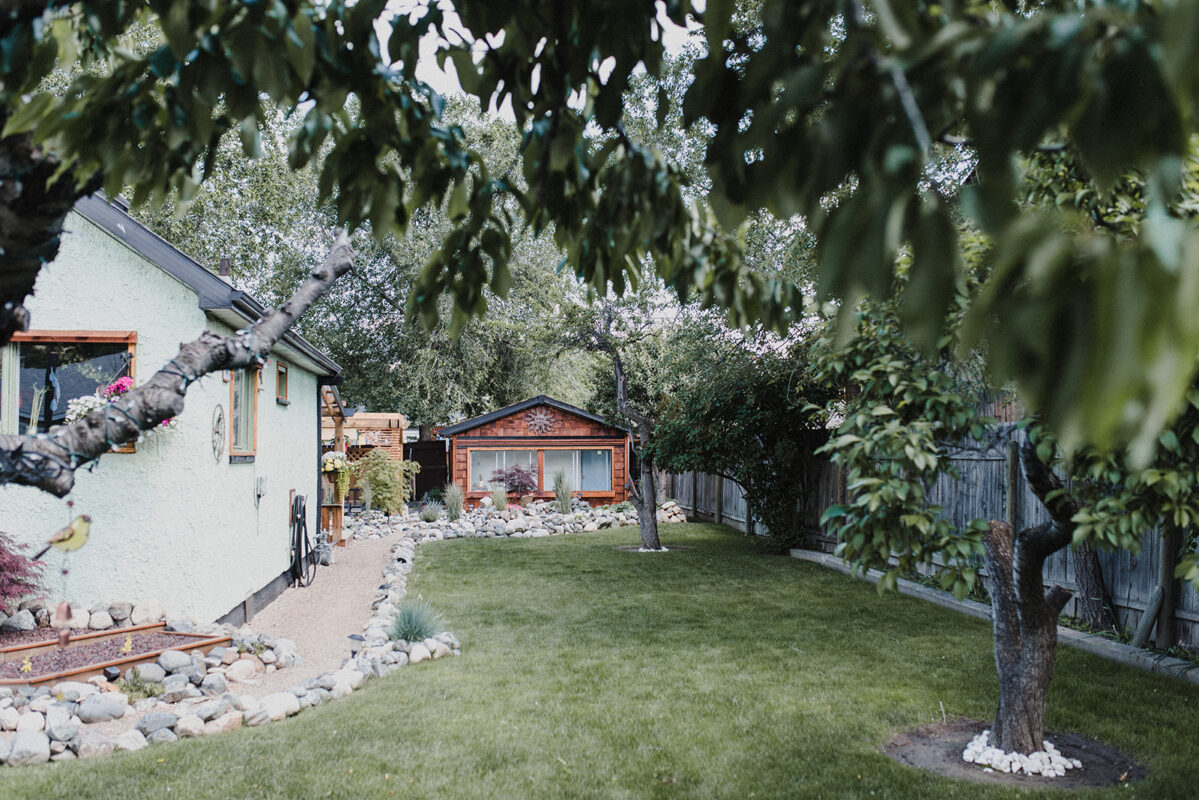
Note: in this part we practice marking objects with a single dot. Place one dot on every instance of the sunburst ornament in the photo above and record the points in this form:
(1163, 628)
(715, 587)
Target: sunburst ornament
(540, 420)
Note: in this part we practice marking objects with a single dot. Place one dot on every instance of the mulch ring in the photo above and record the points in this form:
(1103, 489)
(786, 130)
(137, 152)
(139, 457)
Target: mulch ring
(938, 748)
(636, 548)
(83, 655)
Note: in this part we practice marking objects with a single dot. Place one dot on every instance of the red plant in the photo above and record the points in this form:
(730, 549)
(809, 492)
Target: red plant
(19, 574)
(518, 478)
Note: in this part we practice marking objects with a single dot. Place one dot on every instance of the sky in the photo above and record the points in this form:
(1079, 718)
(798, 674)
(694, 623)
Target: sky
(446, 81)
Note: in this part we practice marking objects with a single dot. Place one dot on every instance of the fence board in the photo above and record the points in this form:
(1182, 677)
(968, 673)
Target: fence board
(979, 493)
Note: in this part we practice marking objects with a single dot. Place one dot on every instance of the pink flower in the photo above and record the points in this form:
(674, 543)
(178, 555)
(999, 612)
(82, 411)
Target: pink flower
(118, 387)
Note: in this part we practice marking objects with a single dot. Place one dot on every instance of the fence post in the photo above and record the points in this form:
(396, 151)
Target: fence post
(1167, 626)
(719, 499)
(1011, 485)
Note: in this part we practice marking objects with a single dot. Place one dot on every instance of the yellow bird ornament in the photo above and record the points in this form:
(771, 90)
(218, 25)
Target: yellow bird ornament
(72, 537)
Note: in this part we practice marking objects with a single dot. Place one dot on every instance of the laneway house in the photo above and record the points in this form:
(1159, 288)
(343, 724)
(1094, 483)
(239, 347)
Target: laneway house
(195, 519)
(547, 436)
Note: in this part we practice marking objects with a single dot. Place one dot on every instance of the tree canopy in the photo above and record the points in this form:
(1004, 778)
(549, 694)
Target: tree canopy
(834, 113)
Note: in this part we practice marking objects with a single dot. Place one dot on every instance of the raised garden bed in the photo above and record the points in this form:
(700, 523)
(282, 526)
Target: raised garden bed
(89, 654)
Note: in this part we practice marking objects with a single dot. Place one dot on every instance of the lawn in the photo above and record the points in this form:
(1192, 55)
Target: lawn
(716, 671)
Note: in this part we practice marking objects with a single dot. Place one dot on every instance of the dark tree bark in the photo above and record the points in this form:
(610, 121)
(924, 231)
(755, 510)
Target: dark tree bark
(1094, 603)
(49, 461)
(1024, 613)
(644, 496)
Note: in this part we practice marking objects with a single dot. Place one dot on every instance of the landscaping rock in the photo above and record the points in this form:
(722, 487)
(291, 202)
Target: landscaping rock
(240, 671)
(230, 721)
(259, 716)
(103, 707)
(214, 683)
(59, 724)
(31, 721)
(162, 736)
(418, 653)
(150, 673)
(156, 720)
(189, 726)
(92, 743)
(181, 626)
(211, 709)
(73, 690)
(145, 613)
(131, 741)
(100, 621)
(280, 705)
(120, 611)
(175, 661)
(75, 616)
(9, 718)
(23, 620)
(29, 747)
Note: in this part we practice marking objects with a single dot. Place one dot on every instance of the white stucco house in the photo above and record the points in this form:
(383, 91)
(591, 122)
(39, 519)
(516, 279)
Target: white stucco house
(196, 518)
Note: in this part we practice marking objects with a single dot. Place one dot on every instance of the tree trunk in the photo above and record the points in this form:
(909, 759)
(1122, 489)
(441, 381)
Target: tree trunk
(645, 501)
(1024, 614)
(1168, 549)
(1094, 603)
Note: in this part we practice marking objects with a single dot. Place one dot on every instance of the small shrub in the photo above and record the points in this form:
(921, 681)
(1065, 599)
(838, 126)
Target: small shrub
(19, 574)
(499, 496)
(390, 480)
(517, 479)
(416, 620)
(563, 492)
(454, 499)
(431, 511)
(136, 688)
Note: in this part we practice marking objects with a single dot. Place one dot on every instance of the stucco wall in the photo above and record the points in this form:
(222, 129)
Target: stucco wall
(170, 524)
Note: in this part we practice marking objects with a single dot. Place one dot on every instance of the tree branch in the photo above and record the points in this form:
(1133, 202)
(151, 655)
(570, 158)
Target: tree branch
(49, 461)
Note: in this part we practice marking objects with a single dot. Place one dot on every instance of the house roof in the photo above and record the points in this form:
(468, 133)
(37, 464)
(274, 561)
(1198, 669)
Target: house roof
(216, 297)
(515, 408)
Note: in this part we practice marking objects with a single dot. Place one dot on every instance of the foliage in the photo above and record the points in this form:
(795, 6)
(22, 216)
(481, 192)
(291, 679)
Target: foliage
(454, 500)
(499, 496)
(335, 465)
(136, 688)
(431, 511)
(910, 112)
(80, 407)
(518, 479)
(19, 574)
(902, 409)
(416, 620)
(750, 412)
(390, 480)
(563, 493)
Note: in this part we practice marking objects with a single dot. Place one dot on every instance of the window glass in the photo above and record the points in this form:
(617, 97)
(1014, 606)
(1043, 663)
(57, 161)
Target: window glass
(596, 468)
(51, 373)
(280, 381)
(245, 385)
(485, 463)
(564, 461)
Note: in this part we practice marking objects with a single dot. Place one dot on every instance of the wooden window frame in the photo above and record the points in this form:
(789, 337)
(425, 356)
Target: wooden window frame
(127, 338)
(281, 376)
(243, 456)
(540, 450)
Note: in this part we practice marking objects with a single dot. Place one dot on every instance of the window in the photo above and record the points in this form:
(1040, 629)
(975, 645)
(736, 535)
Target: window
(243, 401)
(484, 462)
(41, 371)
(281, 383)
(585, 470)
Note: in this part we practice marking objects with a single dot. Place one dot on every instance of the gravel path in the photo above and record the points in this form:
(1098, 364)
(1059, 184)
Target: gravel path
(318, 618)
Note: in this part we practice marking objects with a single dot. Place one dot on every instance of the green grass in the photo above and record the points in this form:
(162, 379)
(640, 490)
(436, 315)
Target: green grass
(717, 671)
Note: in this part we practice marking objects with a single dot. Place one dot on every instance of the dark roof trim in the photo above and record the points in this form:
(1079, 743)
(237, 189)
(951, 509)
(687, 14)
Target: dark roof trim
(515, 408)
(212, 293)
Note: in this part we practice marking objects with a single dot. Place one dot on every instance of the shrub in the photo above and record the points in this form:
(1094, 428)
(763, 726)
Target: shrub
(562, 492)
(136, 688)
(454, 499)
(518, 478)
(19, 574)
(431, 511)
(499, 496)
(390, 480)
(416, 620)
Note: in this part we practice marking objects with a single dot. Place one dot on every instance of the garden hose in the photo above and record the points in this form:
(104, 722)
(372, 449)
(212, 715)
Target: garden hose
(303, 565)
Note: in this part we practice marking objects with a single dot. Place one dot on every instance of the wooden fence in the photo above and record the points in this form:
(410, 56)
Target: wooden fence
(991, 486)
